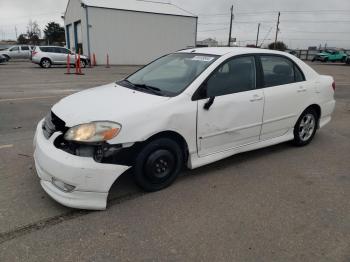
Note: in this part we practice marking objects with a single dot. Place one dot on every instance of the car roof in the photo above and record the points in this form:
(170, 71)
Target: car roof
(50, 46)
(229, 50)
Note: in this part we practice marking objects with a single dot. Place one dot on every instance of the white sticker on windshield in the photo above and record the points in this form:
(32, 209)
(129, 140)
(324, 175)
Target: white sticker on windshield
(203, 58)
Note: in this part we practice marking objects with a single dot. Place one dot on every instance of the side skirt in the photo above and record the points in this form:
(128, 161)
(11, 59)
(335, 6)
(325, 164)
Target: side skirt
(196, 161)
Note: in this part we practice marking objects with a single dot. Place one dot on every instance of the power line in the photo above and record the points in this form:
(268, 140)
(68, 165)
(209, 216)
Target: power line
(318, 32)
(212, 30)
(276, 11)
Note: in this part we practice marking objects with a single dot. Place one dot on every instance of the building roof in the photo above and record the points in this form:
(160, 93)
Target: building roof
(140, 6)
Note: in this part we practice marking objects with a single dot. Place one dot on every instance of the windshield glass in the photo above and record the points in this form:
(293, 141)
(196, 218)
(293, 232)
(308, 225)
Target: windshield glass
(169, 75)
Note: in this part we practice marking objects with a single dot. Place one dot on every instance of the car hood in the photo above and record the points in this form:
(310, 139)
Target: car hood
(110, 102)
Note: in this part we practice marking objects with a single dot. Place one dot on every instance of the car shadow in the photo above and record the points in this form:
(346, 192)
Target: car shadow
(125, 186)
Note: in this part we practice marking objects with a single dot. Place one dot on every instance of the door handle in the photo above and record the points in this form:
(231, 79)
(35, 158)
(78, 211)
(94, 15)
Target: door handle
(256, 98)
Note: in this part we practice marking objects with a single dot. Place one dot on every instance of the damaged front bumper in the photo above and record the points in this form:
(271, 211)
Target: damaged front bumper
(86, 183)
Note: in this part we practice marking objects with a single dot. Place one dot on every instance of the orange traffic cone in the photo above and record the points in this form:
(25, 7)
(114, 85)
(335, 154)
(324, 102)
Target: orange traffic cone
(68, 65)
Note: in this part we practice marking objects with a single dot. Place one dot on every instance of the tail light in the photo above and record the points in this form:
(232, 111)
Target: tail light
(333, 85)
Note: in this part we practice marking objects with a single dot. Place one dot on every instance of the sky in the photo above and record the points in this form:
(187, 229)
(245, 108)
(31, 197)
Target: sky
(303, 23)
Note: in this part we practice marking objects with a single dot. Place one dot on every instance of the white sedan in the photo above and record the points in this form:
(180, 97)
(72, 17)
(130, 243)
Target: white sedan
(189, 108)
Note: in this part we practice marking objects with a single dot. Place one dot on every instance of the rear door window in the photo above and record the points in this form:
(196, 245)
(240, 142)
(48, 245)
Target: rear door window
(44, 49)
(25, 48)
(279, 70)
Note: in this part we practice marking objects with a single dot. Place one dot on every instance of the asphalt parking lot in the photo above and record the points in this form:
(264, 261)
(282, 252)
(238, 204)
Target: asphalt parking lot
(276, 204)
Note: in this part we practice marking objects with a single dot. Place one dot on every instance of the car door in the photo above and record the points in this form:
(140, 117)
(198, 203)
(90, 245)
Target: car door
(55, 54)
(286, 95)
(62, 55)
(14, 52)
(25, 52)
(230, 107)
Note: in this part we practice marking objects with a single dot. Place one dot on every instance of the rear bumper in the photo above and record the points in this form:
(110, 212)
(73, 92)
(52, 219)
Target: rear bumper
(326, 113)
(91, 180)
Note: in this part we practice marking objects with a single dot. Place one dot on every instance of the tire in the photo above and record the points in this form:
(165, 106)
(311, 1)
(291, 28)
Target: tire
(305, 128)
(343, 60)
(158, 164)
(7, 58)
(45, 63)
(83, 63)
(325, 60)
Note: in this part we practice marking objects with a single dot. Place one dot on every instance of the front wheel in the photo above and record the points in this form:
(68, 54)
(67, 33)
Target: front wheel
(7, 58)
(305, 128)
(158, 164)
(83, 63)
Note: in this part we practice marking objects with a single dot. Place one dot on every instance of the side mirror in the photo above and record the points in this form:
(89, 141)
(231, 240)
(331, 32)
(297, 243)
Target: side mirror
(209, 103)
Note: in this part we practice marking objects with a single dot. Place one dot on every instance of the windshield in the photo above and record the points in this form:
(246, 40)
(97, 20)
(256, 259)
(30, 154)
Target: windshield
(169, 75)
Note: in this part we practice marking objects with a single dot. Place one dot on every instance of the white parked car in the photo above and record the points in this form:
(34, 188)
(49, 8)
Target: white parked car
(189, 108)
(46, 56)
(17, 52)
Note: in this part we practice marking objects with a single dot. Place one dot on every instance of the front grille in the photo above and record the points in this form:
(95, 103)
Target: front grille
(52, 124)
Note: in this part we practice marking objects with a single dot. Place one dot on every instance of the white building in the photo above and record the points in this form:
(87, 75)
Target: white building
(131, 32)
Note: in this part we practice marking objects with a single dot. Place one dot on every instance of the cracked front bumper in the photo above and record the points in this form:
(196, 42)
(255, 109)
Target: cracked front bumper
(91, 180)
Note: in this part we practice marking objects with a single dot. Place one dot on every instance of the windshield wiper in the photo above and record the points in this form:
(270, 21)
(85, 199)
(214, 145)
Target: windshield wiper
(144, 86)
(152, 89)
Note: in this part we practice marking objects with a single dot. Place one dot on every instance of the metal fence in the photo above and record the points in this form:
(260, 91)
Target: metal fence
(309, 54)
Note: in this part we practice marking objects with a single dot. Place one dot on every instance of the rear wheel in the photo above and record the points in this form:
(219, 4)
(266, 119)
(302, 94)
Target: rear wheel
(158, 164)
(45, 63)
(305, 128)
(343, 60)
(325, 60)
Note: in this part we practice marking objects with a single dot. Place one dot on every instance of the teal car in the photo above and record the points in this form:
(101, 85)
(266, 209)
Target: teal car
(330, 55)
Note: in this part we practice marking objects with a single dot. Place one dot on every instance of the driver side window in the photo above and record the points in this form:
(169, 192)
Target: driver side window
(13, 49)
(234, 76)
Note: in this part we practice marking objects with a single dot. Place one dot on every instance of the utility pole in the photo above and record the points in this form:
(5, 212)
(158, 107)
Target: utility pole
(277, 29)
(16, 32)
(257, 36)
(229, 37)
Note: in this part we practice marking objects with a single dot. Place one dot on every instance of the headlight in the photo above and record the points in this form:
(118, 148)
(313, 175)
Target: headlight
(93, 132)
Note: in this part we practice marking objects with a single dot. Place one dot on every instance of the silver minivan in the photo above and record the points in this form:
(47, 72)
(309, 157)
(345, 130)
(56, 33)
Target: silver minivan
(46, 56)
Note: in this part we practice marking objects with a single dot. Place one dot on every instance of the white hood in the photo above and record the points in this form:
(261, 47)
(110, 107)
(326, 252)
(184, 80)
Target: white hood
(109, 102)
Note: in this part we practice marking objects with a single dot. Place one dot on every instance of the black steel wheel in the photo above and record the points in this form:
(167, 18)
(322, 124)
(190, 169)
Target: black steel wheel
(158, 164)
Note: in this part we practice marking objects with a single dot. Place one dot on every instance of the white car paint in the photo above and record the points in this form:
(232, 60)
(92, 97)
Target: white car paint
(235, 123)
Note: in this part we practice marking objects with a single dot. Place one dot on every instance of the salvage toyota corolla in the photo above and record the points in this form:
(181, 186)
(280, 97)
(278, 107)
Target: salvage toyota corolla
(189, 108)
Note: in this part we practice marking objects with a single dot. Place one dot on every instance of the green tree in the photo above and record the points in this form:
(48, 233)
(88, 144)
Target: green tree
(54, 33)
(22, 40)
(279, 46)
